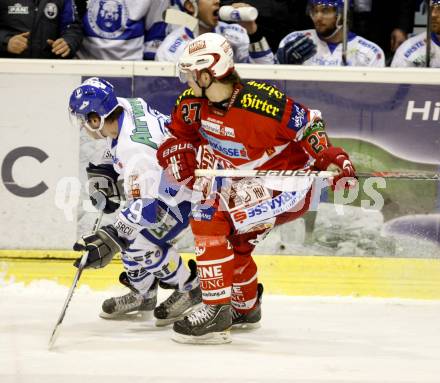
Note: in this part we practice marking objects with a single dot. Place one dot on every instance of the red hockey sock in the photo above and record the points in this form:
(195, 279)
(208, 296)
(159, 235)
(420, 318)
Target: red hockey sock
(244, 287)
(215, 266)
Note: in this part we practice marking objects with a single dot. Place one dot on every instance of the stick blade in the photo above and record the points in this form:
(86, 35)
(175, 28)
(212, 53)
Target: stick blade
(53, 337)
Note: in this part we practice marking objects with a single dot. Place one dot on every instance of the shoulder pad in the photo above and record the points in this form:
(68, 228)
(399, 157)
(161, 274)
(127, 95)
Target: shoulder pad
(262, 98)
(367, 44)
(186, 94)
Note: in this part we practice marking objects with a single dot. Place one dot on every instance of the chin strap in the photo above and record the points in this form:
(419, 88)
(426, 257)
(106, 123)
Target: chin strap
(196, 14)
(203, 88)
(98, 130)
(196, 8)
(339, 26)
(204, 25)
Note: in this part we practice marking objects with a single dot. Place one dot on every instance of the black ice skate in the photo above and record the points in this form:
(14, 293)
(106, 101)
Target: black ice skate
(179, 303)
(251, 319)
(210, 324)
(130, 306)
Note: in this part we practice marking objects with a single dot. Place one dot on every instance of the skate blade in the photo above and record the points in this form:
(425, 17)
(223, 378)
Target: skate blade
(136, 316)
(168, 321)
(246, 326)
(221, 337)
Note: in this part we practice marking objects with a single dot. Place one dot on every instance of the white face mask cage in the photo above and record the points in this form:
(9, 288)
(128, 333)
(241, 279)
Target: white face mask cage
(189, 69)
(79, 121)
(186, 75)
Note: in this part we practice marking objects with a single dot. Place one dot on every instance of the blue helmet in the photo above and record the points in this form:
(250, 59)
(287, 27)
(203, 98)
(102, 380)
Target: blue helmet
(339, 4)
(94, 95)
(435, 2)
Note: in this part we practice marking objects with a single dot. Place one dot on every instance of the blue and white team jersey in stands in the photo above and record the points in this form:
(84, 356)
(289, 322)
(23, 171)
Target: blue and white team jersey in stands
(360, 51)
(123, 29)
(412, 53)
(244, 52)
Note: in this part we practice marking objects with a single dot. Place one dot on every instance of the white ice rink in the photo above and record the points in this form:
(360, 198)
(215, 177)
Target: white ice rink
(311, 340)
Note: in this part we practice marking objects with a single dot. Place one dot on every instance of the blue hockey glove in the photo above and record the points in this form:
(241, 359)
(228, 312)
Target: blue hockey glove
(296, 51)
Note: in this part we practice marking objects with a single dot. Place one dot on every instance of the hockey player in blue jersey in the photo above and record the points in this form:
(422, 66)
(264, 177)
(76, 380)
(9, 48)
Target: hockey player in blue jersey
(324, 44)
(122, 29)
(413, 52)
(155, 213)
(248, 44)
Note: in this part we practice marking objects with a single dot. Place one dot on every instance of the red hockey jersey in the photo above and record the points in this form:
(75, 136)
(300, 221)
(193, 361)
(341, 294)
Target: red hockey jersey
(261, 128)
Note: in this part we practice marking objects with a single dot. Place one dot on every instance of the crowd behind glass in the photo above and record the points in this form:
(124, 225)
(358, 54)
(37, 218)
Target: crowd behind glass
(296, 32)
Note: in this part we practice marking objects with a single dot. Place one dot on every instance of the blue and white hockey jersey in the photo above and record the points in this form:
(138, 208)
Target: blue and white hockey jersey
(133, 152)
(123, 29)
(155, 213)
(360, 51)
(412, 52)
(244, 51)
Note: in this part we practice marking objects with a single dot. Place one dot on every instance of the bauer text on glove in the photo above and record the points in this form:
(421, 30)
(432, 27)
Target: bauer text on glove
(178, 157)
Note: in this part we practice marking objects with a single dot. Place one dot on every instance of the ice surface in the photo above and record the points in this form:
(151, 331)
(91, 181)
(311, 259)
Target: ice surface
(312, 340)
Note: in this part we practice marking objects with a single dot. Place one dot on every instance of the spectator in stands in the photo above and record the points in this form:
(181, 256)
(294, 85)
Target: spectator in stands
(324, 44)
(247, 42)
(413, 52)
(50, 29)
(385, 22)
(277, 18)
(122, 29)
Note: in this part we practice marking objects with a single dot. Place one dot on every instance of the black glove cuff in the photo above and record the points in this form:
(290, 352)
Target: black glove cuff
(119, 244)
(256, 37)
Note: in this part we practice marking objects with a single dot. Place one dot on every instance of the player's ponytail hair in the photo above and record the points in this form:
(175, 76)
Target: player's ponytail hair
(233, 78)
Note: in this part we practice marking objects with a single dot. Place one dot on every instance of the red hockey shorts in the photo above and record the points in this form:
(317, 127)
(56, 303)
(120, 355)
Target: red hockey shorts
(227, 272)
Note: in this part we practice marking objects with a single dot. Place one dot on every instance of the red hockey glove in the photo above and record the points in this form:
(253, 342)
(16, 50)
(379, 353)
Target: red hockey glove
(178, 157)
(339, 158)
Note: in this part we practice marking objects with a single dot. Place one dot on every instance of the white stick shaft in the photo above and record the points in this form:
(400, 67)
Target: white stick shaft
(83, 262)
(56, 329)
(345, 32)
(262, 173)
(413, 175)
(428, 32)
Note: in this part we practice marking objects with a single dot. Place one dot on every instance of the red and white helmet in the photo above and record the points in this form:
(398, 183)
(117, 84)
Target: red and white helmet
(209, 51)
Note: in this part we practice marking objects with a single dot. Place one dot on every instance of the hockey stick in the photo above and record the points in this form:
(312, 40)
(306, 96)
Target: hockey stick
(345, 32)
(311, 173)
(72, 288)
(428, 32)
(176, 17)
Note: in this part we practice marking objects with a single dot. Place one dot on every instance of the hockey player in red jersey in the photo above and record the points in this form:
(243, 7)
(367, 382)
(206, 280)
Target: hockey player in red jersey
(242, 125)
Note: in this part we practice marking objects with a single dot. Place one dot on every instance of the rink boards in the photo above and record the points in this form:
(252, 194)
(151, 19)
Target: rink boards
(287, 275)
(35, 164)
